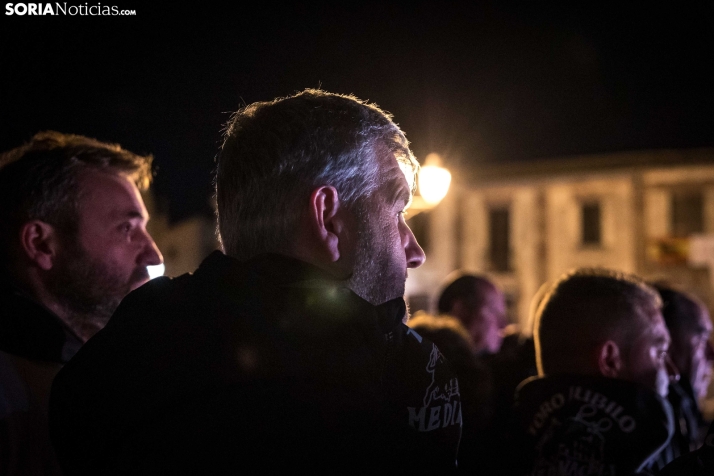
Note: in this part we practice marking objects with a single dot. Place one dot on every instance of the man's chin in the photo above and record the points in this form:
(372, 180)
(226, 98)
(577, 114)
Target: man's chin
(392, 296)
(139, 279)
(376, 297)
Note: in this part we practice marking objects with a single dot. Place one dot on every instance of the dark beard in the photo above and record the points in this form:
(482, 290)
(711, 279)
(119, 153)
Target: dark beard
(89, 290)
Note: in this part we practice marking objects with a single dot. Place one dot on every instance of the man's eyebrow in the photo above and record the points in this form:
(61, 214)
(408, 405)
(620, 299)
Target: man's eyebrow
(399, 191)
(131, 213)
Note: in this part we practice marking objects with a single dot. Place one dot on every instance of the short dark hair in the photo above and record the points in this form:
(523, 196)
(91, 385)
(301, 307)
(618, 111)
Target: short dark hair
(275, 153)
(39, 180)
(467, 287)
(449, 335)
(680, 309)
(587, 307)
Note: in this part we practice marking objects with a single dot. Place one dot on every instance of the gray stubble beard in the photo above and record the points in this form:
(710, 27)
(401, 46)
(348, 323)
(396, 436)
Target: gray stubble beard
(371, 278)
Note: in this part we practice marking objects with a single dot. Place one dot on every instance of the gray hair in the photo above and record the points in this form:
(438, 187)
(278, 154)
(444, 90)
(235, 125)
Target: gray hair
(276, 153)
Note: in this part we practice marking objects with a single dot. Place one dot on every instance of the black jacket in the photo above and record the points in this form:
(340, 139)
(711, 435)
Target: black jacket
(582, 425)
(31, 331)
(34, 343)
(697, 463)
(263, 366)
(689, 425)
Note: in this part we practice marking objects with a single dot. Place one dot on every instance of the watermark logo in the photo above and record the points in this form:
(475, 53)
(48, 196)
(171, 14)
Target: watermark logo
(63, 9)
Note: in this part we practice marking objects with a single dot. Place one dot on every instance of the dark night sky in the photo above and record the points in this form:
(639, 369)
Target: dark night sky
(475, 81)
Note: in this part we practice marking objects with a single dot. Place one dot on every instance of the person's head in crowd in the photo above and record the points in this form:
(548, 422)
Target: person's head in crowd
(479, 305)
(533, 307)
(604, 322)
(324, 178)
(690, 327)
(449, 335)
(73, 225)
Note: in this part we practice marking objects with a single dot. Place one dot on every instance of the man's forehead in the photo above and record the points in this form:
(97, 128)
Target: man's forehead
(645, 321)
(408, 171)
(397, 177)
(111, 192)
(657, 327)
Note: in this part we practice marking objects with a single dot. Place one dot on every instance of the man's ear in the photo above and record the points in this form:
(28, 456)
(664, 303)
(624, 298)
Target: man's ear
(39, 242)
(326, 221)
(609, 359)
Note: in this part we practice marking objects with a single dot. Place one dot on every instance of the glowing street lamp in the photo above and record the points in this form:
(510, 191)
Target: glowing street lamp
(433, 181)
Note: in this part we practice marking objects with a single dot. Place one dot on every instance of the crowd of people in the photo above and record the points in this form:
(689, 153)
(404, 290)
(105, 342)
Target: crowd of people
(292, 349)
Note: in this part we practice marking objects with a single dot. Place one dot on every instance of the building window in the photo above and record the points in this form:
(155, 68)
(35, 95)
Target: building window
(499, 239)
(590, 224)
(687, 213)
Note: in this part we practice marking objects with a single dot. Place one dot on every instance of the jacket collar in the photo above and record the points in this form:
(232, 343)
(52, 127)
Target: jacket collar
(287, 271)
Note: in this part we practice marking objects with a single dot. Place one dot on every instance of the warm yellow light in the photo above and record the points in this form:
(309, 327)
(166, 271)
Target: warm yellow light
(434, 180)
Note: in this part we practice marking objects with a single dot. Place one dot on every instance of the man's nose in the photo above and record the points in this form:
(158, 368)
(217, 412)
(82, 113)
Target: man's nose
(150, 255)
(672, 370)
(414, 253)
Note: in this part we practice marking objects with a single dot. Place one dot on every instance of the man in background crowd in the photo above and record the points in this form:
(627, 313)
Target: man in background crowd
(690, 327)
(480, 306)
(73, 243)
(455, 343)
(288, 353)
(598, 408)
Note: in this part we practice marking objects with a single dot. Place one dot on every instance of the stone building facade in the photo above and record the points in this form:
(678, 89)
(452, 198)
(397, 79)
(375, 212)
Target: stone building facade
(523, 225)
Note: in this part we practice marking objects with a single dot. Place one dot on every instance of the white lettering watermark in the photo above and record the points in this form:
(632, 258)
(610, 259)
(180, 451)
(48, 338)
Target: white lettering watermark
(63, 9)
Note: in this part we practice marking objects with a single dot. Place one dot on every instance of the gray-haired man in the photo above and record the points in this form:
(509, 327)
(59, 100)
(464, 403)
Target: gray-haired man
(288, 352)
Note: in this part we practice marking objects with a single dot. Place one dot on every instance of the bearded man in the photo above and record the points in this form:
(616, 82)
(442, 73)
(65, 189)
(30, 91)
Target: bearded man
(288, 353)
(73, 243)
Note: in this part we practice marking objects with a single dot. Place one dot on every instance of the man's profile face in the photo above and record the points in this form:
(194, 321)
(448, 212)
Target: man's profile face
(647, 361)
(108, 256)
(385, 246)
(696, 353)
(490, 319)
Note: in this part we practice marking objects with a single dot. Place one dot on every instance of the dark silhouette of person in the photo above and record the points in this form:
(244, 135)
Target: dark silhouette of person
(475, 386)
